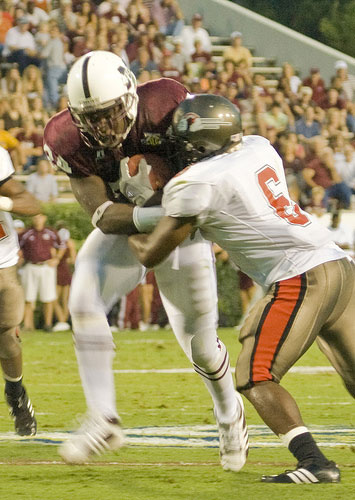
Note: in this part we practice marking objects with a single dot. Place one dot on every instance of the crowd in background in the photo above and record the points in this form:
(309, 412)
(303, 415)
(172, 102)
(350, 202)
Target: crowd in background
(310, 122)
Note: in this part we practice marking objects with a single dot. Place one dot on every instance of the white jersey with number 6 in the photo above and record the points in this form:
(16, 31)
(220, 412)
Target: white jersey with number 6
(9, 246)
(241, 202)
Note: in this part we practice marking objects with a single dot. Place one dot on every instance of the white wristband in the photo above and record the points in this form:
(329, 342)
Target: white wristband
(99, 212)
(6, 204)
(146, 218)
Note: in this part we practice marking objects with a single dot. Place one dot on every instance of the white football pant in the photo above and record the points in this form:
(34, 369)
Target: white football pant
(105, 271)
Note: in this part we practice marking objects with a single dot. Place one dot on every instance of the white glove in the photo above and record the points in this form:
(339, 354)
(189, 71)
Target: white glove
(137, 188)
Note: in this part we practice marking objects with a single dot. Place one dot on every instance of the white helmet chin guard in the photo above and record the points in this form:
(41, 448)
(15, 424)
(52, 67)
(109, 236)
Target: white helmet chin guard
(102, 98)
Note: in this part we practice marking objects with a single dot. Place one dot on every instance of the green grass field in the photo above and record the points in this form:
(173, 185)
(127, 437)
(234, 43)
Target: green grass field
(172, 451)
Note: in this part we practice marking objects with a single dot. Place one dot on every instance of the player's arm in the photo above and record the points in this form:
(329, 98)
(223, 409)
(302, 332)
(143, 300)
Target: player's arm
(15, 198)
(91, 193)
(154, 248)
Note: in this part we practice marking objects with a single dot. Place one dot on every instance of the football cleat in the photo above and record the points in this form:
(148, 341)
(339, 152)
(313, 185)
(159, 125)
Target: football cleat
(96, 436)
(328, 473)
(22, 412)
(234, 441)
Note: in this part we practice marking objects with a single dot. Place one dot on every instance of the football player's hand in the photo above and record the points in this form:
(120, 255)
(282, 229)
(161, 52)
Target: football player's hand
(136, 188)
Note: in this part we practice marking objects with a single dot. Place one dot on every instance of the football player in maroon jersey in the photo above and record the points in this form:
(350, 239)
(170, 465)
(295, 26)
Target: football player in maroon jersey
(109, 120)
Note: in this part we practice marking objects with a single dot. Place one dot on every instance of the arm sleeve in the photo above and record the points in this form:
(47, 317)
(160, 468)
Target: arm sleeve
(186, 199)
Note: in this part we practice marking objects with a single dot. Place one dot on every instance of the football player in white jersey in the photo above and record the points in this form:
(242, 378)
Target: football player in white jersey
(13, 198)
(235, 193)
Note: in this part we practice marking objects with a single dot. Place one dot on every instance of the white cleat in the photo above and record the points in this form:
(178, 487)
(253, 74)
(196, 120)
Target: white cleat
(234, 441)
(96, 436)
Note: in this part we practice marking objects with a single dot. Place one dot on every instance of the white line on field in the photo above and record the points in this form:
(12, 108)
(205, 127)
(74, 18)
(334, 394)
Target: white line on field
(303, 370)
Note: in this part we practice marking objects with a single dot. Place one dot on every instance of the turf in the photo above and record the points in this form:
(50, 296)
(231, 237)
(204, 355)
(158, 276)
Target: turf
(32, 470)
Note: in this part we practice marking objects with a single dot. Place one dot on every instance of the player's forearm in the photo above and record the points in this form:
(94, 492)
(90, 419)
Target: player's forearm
(25, 204)
(117, 219)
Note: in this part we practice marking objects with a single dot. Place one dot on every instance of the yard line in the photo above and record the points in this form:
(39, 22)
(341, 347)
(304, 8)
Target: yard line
(303, 370)
(196, 436)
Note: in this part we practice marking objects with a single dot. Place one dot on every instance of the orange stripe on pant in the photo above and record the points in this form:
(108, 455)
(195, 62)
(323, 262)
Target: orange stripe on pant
(274, 326)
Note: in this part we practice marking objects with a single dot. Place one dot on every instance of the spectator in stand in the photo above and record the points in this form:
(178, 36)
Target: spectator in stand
(335, 123)
(345, 165)
(64, 276)
(178, 58)
(142, 40)
(32, 82)
(168, 15)
(35, 14)
(307, 126)
(142, 63)
(64, 16)
(315, 204)
(320, 171)
(119, 47)
(259, 84)
(20, 46)
(30, 144)
(87, 10)
(237, 52)
(191, 33)
(13, 116)
(55, 67)
(304, 101)
(316, 83)
(167, 69)
(12, 145)
(42, 36)
(87, 42)
(348, 81)
(11, 83)
(332, 100)
(199, 55)
(276, 118)
(39, 114)
(41, 251)
(293, 167)
(42, 183)
(289, 82)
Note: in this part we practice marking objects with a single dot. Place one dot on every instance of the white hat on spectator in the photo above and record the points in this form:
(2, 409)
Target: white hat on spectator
(340, 65)
(236, 34)
(19, 224)
(64, 234)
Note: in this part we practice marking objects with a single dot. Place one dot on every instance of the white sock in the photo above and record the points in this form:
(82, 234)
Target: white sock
(287, 438)
(95, 355)
(219, 382)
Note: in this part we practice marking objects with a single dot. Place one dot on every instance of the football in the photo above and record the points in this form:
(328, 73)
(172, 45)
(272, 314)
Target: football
(160, 172)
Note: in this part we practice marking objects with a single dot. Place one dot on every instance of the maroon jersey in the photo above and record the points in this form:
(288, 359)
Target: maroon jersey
(36, 245)
(66, 150)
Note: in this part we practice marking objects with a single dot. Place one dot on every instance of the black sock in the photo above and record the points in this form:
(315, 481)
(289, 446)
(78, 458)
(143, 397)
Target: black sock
(305, 449)
(13, 389)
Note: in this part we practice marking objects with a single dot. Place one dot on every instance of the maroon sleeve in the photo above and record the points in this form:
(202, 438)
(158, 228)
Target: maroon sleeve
(65, 149)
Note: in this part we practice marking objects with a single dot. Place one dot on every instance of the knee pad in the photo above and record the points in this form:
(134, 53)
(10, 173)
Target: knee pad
(9, 343)
(209, 353)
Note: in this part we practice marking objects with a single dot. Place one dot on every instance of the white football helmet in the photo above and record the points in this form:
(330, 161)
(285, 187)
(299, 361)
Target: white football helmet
(102, 98)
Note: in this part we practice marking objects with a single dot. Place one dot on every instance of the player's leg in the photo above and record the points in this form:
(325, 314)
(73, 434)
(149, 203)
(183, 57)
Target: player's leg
(105, 270)
(187, 284)
(12, 308)
(47, 292)
(336, 338)
(279, 329)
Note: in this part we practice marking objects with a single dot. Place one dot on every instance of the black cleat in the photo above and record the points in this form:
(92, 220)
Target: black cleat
(22, 412)
(328, 473)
